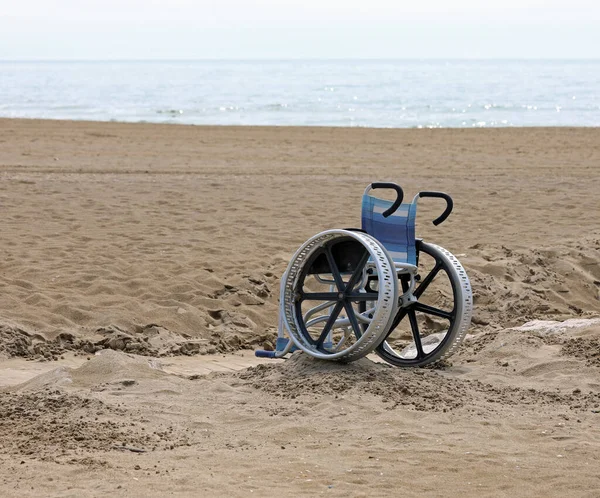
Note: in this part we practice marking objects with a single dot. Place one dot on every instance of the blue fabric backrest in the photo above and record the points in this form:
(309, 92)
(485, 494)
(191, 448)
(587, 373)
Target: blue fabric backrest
(396, 232)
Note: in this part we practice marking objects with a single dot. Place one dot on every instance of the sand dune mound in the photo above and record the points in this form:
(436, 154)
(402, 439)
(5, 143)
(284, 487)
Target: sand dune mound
(512, 286)
(421, 389)
(37, 423)
(112, 366)
(54, 423)
(553, 357)
(538, 338)
(303, 375)
(106, 369)
(57, 412)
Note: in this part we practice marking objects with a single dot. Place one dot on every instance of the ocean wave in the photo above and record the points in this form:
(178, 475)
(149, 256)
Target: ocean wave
(170, 112)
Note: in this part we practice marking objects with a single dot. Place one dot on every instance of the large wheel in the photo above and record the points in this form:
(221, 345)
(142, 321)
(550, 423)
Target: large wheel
(324, 287)
(432, 328)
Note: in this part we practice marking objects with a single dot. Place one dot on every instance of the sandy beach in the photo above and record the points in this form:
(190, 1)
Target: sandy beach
(140, 263)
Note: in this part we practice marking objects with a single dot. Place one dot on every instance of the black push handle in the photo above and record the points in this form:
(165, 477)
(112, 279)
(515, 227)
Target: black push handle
(399, 197)
(449, 205)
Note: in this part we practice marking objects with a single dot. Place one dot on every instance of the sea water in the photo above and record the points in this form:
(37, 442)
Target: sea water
(382, 93)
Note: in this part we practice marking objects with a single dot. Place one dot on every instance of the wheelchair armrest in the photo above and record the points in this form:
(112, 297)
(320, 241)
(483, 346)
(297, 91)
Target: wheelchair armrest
(393, 186)
(449, 205)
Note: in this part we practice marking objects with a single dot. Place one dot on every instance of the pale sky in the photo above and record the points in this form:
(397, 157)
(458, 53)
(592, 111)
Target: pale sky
(246, 29)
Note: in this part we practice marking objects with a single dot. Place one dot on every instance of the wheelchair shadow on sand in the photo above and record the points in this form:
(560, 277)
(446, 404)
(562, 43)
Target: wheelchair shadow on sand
(349, 292)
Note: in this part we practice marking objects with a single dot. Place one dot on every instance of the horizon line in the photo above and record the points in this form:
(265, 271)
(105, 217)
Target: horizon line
(311, 59)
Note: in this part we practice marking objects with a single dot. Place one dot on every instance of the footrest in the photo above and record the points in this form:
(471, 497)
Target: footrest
(261, 353)
(280, 349)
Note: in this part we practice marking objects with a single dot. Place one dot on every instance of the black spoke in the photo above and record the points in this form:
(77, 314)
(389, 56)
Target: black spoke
(397, 319)
(319, 296)
(430, 310)
(352, 318)
(332, 318)
(334, 269)
(415, 332)
(363, 296)
(428, 279)
(357, 272)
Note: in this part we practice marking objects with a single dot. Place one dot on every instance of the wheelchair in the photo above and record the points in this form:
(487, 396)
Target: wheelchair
(349, 292)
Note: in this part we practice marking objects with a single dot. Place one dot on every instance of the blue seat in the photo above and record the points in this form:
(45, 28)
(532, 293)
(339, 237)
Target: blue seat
(396, 232)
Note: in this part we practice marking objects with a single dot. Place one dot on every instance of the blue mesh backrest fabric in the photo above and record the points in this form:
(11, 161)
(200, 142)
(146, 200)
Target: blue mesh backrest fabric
(396, 232)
